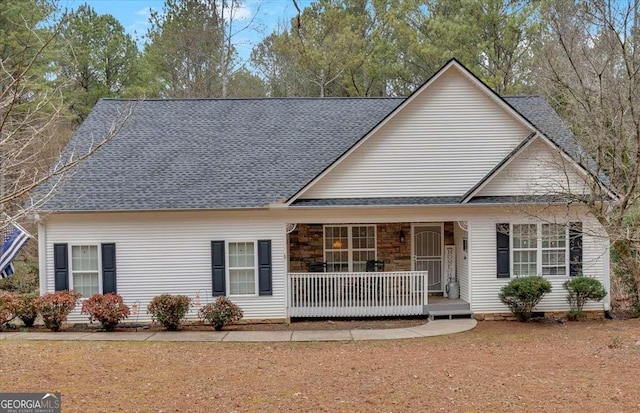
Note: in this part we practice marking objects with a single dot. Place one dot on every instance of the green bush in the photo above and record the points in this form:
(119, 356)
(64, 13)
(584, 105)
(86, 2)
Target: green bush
(579, 291)
(169, 310)
(56, 307)
(27, 310)
(522, 295)
(9, 303)
(107, 309)
(222, 311)
(24, 281)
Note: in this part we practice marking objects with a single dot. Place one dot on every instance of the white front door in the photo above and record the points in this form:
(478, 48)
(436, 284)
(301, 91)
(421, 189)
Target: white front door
(427, 253)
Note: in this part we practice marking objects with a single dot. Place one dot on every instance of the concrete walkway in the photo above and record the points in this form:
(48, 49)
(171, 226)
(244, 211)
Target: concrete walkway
(431, 329)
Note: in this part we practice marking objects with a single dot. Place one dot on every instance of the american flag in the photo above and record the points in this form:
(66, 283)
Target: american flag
(13, 238)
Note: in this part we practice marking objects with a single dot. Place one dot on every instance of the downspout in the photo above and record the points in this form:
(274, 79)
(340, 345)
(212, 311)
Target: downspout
(42, 255)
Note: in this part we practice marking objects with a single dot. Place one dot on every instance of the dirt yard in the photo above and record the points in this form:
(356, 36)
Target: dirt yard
(499, 366)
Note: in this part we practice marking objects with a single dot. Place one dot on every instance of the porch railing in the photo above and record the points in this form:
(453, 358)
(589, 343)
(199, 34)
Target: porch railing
(357, 294)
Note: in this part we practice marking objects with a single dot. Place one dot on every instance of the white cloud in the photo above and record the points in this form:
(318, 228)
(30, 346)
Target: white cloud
(140, 23)
(242, 12)
(146, 12)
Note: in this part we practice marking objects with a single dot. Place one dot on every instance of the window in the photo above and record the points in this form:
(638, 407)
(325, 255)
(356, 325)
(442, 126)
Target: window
(554, 249)
(539, 249)
(525, 249)
(242, 268)
(336, 248)
(349, 247)
(85, 273)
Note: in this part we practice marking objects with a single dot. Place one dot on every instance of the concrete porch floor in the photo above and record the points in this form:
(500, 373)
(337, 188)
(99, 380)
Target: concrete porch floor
(440, 303)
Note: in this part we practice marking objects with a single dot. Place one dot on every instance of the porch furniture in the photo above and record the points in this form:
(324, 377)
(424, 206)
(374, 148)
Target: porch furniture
(375, 286)
(317, 266)
(375, 266)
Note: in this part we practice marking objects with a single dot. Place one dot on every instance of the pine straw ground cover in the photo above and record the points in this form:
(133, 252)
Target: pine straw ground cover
(589, 366)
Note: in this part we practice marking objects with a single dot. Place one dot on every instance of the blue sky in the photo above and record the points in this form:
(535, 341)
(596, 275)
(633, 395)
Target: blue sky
(134, 15)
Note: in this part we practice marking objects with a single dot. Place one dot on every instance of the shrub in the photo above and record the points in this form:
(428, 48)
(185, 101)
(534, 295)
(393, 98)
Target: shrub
(169, 310)
(9, 303)
(222, 311)
(25, 280)
(27, 310)
(55, 307)
(522, 295)
(579, 291)
(107, 309)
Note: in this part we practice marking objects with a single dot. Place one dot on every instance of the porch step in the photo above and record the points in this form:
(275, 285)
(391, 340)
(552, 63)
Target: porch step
(449, 314)
(444, 306)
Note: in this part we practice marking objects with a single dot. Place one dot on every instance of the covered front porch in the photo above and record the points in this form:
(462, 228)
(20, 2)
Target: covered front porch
(379, 269)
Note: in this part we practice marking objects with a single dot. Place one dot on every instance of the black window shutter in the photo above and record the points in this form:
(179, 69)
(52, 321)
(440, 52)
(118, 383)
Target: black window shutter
(218, 268)
(575, 248)
(502, 248)
(61, 266)
(109, 268)
(264, 267)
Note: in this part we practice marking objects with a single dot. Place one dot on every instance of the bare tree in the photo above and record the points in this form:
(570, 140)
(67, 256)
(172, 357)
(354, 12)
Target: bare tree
(590, 69)
(33, 125)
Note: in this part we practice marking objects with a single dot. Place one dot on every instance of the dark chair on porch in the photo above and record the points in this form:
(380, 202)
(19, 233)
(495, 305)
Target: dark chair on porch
(375, 286)
(320, 284)
(375, 266)
(317, 266)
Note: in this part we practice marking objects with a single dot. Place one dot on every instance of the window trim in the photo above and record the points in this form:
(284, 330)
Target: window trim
(228, 267)
(350, 248)
(539, 249)
(71, 271)
(513, 249)
(566, 251)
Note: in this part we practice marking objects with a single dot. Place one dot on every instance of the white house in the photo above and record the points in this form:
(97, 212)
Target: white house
(327, 206)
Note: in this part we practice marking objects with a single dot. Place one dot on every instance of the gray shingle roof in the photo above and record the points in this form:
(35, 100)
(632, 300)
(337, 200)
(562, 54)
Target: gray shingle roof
(212, 153)
(228, 153)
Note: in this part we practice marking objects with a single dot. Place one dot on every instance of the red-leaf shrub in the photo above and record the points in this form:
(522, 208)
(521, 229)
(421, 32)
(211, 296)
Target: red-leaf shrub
(222, 311)
(108, 310)
(9, 303)
(169, 310)
(56, 307)
(27, 310)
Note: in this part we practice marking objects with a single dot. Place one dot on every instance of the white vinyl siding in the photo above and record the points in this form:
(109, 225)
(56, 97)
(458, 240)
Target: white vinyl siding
(347, 248)
(441, 144)
(85, 270)
(170, 252)
(538, 170)
(486, 285)
(242, 269)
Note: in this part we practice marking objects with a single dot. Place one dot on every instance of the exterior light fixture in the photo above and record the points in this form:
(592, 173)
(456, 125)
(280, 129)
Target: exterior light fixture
(401, 236)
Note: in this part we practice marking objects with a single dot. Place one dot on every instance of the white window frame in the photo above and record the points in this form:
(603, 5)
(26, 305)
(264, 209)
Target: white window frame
(535, 248)
(566, 251)
(71, 270)
(539, 248)
(228, 267)
(350, 250)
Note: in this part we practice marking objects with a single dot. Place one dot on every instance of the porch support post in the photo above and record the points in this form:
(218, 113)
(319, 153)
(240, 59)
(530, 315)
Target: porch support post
(425, 287)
